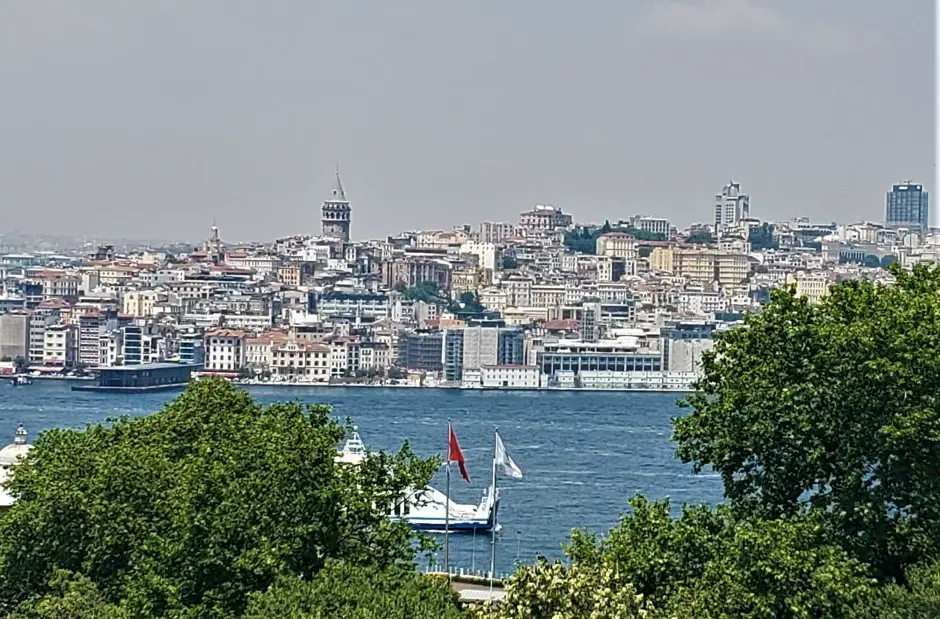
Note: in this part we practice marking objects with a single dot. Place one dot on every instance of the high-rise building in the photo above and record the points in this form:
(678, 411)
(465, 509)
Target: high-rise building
(335, 214)
(731, 206)
(906, 207)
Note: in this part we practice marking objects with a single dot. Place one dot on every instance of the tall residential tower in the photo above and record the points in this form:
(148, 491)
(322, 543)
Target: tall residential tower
(335, 213)
(731, 206)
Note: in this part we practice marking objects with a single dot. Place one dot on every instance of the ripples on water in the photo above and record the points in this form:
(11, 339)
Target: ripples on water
(584, 454)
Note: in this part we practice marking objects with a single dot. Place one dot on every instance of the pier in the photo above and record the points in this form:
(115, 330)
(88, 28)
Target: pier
(473, 587)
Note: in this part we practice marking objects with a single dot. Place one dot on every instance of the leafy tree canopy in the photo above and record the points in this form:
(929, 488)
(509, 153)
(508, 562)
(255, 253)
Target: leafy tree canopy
(706, 563)
(918, 599)
(189, 510)
(701, 237)
(554, 590)
(584, 239)
(72, 596)
(467, 303)
(348, 591)
(429, 292)
(832, 410)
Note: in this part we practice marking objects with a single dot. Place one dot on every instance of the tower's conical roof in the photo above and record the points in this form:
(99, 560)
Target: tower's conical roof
(338, 194)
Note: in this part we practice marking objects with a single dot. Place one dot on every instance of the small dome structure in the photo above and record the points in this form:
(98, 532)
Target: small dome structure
(10, 455)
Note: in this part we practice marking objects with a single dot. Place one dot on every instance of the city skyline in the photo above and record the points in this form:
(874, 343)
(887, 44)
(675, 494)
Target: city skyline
(145, 120)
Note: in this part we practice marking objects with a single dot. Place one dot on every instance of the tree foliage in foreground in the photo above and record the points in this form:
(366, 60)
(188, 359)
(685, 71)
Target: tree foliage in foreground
(560, 592)
(195, 507)
(70, 596)
(349, 592)
(706, 563)
(918, 599)
(832, 410)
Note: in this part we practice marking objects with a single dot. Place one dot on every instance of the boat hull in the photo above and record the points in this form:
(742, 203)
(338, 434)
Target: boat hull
(457, 525)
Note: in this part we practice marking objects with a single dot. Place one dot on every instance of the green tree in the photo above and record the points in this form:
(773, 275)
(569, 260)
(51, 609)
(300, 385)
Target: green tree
(645, 235)
(710, 563)
(428, 292)
(467, 303)
(589, 590)
(582, 240)
(199, 505)
(348, 591)
(701, 237)
(70, 596)
(919, 598)
(706, 563)
(833, 410)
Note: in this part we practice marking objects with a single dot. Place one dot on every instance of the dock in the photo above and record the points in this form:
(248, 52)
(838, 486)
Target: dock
(141, 378)
(474, 588)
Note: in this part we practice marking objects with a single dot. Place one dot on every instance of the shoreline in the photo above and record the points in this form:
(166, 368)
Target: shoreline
(280, 385)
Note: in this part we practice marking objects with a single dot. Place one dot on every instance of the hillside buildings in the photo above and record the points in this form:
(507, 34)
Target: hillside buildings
(542, 302)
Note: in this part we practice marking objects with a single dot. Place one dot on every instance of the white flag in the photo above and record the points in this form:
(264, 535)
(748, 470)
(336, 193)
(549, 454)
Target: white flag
(505, 462)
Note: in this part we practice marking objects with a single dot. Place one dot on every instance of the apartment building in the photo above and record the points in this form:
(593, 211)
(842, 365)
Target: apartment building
(225, 350)
(59, 345)
(617, 245)
(702, 265)
(543, 218)
(300, 358)
(493, 232)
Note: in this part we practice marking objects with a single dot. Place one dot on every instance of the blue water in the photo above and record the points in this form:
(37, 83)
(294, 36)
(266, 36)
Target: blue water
(583, 454)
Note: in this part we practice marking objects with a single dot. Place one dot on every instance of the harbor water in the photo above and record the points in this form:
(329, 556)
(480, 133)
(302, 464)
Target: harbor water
(583, 454)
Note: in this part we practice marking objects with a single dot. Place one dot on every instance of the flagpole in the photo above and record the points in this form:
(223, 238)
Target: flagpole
(495, 514)
(447, 508)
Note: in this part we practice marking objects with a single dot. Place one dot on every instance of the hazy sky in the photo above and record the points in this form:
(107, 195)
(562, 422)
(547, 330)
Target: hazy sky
(151, 118)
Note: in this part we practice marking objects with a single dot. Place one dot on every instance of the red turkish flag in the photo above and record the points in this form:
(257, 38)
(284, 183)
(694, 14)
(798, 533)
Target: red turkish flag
(454, 454)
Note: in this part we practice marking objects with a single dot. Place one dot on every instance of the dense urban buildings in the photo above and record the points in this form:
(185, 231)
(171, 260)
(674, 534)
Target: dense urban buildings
(542, 302)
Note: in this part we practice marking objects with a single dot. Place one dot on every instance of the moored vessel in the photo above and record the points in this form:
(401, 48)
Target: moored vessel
(429, 509)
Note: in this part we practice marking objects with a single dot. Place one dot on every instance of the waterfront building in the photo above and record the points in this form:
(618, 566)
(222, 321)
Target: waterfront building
(502, 377)
(14, 335)
(577, 356)
(422, 351)
(487, 346)
(683, 345)
(192, 348)
(906, 206)
(225, 350)
(301, 358)
(453, 354)
(336, 213)
(141, 377)
(59, 345)
(48, 313)
(140, 345)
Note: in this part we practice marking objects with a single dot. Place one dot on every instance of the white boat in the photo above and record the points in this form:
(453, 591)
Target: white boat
(429, 509)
